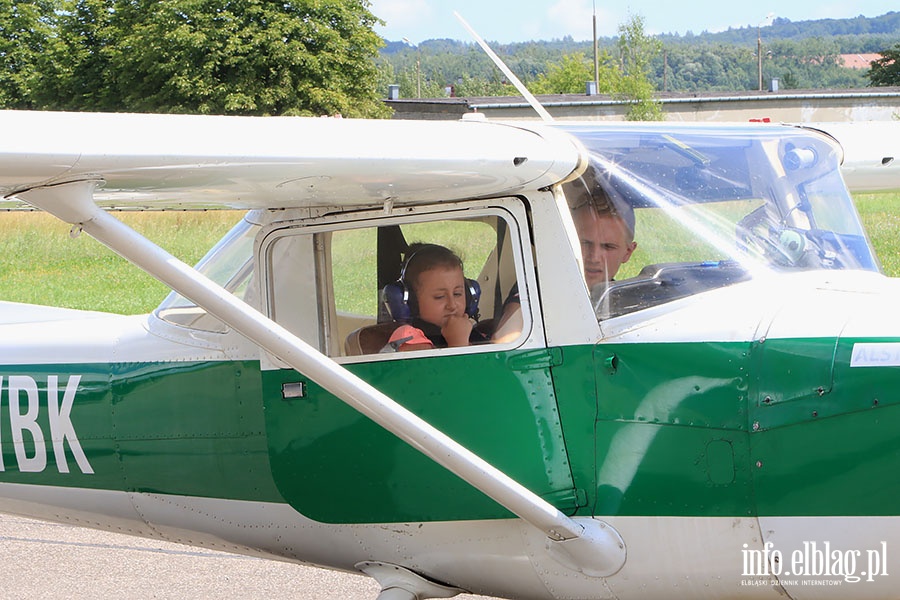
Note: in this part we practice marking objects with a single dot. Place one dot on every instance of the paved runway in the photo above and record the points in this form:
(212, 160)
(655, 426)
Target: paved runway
(40, 560)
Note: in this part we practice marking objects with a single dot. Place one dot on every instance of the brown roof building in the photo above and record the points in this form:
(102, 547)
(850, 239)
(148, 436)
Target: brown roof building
(859, 61)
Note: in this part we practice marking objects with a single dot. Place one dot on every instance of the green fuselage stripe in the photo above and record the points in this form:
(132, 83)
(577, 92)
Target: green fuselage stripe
(780, 428)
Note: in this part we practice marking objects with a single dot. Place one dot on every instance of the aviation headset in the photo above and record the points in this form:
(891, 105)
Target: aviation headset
(402, 305)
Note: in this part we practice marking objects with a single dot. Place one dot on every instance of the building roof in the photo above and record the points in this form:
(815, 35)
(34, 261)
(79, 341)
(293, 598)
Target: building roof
(859, 61)
(475, 102)
(873, 103)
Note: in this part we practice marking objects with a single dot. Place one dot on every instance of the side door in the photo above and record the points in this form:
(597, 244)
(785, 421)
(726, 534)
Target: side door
(496, 398)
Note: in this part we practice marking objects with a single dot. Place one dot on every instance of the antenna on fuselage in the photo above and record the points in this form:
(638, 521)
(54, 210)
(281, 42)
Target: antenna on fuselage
(506, 71)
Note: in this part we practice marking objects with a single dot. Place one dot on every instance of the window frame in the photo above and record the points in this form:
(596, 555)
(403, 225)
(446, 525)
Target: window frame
(329, 339)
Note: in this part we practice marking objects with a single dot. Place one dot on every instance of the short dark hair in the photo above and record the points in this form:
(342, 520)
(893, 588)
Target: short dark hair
(592, 189)
(424, 257)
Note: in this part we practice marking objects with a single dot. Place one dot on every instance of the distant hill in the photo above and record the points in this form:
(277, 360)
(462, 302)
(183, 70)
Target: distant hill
(884, 27)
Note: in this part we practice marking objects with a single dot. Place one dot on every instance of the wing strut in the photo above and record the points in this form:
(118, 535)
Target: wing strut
(587, 545)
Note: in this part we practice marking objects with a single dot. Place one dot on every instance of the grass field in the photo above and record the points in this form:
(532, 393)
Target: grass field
(880, 214)
(42, 264)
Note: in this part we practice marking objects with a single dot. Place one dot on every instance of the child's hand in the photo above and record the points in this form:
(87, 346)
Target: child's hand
(456, 330)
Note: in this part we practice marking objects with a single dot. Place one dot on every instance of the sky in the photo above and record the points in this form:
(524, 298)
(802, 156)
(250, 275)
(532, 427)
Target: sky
(506, 21)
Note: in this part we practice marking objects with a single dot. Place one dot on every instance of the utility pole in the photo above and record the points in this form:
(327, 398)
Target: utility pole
(418, 67)
(759, 56)
(596, 59)
(665, 70)
(759, 48)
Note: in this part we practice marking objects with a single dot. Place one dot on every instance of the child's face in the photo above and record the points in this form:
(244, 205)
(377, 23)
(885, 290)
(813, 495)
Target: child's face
(441, 293)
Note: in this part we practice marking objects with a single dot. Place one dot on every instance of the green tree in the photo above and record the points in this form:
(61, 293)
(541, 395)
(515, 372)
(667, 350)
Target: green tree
(886, 70)
(571, 75)
(789, 80)
(481, 86)
(26, 41)
(417, 84)
(80, 76)
(636, 51)
(259, 57)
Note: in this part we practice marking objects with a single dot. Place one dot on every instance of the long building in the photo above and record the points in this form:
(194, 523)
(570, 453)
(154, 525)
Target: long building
(794, 106)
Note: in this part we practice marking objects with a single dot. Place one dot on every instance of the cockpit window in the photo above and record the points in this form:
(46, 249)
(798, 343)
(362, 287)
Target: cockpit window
(405, 287)
(669, 213)
(230, 264)
(444, 281)
(355, 258)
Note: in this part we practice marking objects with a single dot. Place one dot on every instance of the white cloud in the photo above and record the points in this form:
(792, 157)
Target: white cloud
(402, 13)
(571, 17)
(574, 17)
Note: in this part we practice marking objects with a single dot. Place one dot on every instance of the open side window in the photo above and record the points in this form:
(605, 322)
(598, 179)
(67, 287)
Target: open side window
(326, 282)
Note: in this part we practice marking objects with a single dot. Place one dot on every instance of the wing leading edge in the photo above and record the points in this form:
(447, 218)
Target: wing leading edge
(871, 153)
(189, 161)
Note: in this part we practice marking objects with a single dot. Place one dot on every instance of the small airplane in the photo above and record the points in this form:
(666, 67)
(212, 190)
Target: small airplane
(711, 417)
(870, 162)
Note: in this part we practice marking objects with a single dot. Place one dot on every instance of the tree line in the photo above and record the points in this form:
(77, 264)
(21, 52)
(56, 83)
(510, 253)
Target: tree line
(242, 57)
(322, 57)
(442, 67)
(802, 55)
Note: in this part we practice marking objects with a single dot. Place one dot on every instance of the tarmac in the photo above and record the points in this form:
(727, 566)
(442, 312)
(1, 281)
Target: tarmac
(41, 560)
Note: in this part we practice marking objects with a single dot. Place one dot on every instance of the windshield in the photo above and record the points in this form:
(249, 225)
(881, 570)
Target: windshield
(666, 211)
(230, 264)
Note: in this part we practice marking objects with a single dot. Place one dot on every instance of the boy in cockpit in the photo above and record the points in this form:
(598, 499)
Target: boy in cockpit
(607, 242)
(605, 232)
